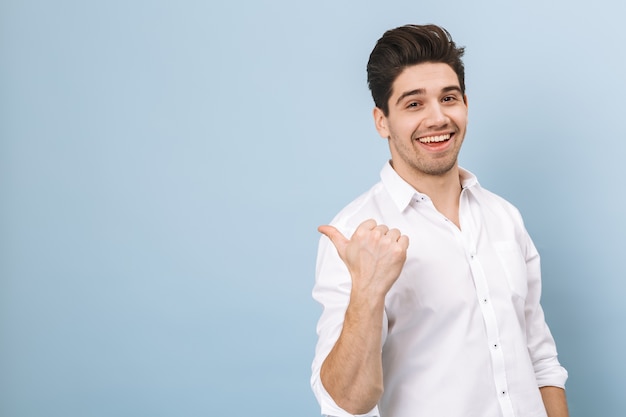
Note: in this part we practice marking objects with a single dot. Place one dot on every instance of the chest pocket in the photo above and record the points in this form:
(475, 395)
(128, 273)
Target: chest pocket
(514, 265)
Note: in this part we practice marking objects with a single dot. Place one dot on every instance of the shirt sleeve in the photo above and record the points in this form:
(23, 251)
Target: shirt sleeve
(541, 345)
(332, 291)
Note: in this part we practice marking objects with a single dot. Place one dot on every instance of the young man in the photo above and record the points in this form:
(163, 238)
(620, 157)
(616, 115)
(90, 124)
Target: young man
(449, 324)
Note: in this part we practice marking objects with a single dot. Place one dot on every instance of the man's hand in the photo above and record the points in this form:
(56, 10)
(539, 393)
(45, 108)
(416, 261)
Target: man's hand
(374, 255)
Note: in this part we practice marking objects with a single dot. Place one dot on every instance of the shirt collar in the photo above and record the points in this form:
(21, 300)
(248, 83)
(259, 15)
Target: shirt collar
(467, 178)
(402, 193)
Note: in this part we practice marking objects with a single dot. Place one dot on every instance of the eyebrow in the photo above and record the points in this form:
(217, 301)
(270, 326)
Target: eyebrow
(422, 91)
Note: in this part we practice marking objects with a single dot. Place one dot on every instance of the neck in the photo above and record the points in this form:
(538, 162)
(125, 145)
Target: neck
(444, 191)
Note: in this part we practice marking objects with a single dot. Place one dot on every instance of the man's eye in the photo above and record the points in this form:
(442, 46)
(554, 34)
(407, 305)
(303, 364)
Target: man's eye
(449, 98)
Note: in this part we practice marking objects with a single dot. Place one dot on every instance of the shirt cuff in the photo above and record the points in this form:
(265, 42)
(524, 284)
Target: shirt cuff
(552, 377)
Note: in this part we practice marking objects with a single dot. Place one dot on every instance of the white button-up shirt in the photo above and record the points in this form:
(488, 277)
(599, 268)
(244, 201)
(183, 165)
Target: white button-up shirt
(464, 334)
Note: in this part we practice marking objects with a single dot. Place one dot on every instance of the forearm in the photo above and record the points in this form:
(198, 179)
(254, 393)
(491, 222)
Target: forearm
(352, 372)
(555, 402)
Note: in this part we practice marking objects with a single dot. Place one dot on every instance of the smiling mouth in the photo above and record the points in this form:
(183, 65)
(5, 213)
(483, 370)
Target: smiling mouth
(434, 139)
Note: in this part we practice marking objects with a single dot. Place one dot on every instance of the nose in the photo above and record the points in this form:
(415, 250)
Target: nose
(436, 116)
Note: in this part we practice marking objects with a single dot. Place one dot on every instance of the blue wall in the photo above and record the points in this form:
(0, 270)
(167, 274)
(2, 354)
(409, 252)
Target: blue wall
(164, 165)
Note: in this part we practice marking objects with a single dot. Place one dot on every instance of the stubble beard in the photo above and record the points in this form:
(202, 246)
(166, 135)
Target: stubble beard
(435, 169)
(424, 165)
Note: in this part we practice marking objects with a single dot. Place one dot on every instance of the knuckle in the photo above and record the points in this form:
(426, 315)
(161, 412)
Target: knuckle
(377, 233)
(399, 250)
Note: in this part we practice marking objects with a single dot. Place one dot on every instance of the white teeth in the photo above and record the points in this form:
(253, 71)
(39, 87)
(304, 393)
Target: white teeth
(431, 139)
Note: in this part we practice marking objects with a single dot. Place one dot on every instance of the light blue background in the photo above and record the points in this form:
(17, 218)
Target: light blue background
(164, 166)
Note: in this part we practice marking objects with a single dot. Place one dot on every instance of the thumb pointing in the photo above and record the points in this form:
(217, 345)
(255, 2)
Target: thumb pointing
(335, 236)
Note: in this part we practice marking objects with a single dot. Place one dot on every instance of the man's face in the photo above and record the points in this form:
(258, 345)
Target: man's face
(426, 122)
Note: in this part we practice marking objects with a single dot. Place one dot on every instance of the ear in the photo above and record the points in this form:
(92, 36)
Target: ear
(380, 121)
(465, 99)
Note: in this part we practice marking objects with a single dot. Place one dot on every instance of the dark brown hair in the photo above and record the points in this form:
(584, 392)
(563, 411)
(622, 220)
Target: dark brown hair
(406, 46)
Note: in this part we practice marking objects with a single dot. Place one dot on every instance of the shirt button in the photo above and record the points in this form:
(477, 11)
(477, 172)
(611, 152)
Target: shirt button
(484, 301)
(495, 346)
(503, 393)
